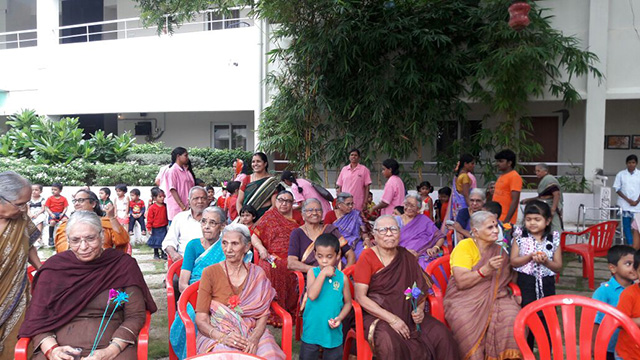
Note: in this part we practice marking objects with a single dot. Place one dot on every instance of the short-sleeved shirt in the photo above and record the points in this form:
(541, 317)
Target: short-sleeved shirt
(528, 244)
(465, 255)
(56, 204)
(368, 264)
(629, 184)
(507, 183)
(393, 194)
(355, 181)
(184, 228)
(463, 178)
(629, 304)
(308, 192)
(181, 181)
(214, 285)
(609, 292)
(191, 252)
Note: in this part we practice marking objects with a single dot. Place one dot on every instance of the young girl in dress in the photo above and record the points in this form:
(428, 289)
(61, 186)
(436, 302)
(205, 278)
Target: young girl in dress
(424, 189)
(36, 207)
(536, 255)
(157, 222)
(122, 205)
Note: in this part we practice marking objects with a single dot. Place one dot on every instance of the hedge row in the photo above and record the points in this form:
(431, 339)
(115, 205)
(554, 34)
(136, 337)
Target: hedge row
(211, 157)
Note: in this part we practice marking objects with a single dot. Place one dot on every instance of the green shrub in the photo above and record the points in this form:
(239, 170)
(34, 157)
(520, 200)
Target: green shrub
(151, 148)
(214, 176)
(220, 158)
(161, 160)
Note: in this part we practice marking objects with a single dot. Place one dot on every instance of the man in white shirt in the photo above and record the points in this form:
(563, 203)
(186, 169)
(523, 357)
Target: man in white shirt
(186, 224)
(627, 186)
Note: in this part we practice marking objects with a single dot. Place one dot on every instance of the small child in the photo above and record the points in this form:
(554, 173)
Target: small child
(122, 205)
(56, 206)
(157, 222)
(136, 212)
(328, 303)
(222, 200)
(398, 210)
(629, 304)
(620, 259)
(36, 207)
(496, 209)
(424, 189)
(105, 198)
(211, 195)
(248, 216)
(230, 203)
(536, 255)
(441, 205)
(370, 205)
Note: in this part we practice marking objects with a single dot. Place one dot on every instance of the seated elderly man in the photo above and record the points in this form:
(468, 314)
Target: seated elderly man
(186, 224)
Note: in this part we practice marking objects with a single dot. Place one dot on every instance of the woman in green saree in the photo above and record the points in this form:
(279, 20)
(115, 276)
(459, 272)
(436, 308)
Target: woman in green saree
(550, 193)
(258, 189)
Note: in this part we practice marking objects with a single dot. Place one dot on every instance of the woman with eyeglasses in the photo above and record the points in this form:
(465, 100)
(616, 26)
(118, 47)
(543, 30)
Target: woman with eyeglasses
(418, 233)
(350, 222)
(394, 328)
(302, 256)
(71, 290)
(114, 234)
(462, 225)
(18, 235)
(270, 241)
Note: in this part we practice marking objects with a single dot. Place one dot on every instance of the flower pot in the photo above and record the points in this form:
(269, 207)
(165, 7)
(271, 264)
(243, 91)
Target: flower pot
(519, 15)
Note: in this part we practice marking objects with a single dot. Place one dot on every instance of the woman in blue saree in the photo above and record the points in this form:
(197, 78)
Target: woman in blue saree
(350, 223)
(198, 254)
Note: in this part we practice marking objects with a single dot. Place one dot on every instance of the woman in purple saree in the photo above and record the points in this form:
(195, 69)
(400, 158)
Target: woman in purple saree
(418, 233)
(350, 223)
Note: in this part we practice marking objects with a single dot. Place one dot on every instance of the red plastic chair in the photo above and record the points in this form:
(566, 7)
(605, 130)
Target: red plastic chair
(298, 315)
(22, 346)
(363, 349)
(440, 271)
(600, 240)
(528, 317)
(31, 272)
(448, 248)
(190, 295)
(174, 269)
(226, 355)
(129, 249)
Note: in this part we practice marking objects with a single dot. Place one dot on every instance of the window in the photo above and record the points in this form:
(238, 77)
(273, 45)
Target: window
(449, 131)
(227, 136)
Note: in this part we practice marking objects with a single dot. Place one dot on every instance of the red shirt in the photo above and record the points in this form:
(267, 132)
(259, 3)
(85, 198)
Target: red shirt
(136, 207)
(629, 304)
(231, 206)
(157, 216)
(56, 205)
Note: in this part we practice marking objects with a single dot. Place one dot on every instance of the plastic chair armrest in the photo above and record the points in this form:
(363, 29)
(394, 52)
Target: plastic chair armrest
(143, 338)
(436, 308)
(287, 329)
(189, 327)
(301, 284)
(22, 347)
(515, 289)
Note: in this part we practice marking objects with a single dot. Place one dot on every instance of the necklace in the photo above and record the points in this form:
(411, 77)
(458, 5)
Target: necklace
(229, 277)
(306, 230)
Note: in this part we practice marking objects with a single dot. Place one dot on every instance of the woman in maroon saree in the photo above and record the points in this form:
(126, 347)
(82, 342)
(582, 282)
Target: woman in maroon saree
(478, 305)
(394, 330)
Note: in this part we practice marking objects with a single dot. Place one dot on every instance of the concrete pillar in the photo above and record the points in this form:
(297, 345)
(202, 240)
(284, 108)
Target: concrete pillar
(48, 20)
(596, 92)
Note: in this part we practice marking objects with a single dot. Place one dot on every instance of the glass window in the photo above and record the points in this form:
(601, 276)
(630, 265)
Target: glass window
(221, 136)
(226, 136)
(239, 140)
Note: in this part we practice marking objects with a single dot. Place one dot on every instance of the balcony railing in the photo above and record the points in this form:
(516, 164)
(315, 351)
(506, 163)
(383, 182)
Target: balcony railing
(18, 39)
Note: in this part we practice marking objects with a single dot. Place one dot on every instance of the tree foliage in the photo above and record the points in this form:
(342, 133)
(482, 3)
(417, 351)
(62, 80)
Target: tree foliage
(384, 75)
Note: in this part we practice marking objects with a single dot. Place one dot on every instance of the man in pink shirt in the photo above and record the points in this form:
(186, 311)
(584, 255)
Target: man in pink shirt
(394, 191)
(178, 181)
(355, 179)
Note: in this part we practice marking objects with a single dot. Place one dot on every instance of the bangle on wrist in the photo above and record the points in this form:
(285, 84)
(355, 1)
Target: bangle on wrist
(211, 336)
(48, 353)
(481, 274)
(117, 345)
(437, 247)
(395, 320)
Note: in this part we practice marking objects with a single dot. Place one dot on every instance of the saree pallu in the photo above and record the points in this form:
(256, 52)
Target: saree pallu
(259, 192)
(547, 186)
(482, 317)
(433, 342)
(349, 226)
(255, 301)
(274, 230)
(456, 203)
(15, 242)
(419, 235)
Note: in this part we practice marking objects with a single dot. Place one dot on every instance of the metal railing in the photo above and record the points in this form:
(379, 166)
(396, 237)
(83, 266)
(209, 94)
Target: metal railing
(18, 39)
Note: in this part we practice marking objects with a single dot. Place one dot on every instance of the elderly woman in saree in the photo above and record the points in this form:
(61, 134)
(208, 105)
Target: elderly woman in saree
(395, 329)
(478, 305)
(17, 237)
(258, 189)
(302, 256)
(418, 233)
(270, 240)
(114, 234)
(70, 292)
(550, 193)
(350, 222)
(462, 225)
(233, 302)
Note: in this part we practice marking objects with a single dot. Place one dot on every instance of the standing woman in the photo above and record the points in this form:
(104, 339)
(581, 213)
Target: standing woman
(393, 190)
(270, 240)
(302, 190)
(258, 189)
(179, 180)
(17, 236)
(462, 184)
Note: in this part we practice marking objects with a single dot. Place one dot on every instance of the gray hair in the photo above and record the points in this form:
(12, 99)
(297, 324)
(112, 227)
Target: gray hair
(543, 166)
(479, 193)
(309, 202)
(85, 217)
(415, 197)
(375, 224)
(222, 217)
(11, 184)
(241, 229)
(479, 217)
(342, 197)
(196, 188)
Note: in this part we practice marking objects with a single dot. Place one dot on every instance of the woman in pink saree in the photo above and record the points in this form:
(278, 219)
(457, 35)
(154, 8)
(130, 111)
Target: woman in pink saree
(233, 302)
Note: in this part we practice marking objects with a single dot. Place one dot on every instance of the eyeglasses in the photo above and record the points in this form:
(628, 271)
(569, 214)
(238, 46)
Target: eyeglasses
(209, 222)
(18, 206)
(410, 206)
(89, 240)
(385, 230)
(286, 201)
(313, 210)
(349, 204)
(80, 200)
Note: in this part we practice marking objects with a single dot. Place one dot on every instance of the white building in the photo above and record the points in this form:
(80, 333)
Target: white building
(203, 85)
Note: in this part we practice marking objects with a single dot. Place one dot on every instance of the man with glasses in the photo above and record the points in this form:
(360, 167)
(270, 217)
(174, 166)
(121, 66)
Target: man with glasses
(186, 224)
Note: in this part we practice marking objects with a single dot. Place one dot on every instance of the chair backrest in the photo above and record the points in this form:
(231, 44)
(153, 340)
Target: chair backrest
(174, 269)
(190, 295)
(450, 243)
(348, 272)
(528, 317)
(440, 271)
(601, 236)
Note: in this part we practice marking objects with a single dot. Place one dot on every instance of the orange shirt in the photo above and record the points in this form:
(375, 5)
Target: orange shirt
(629, 304)
(507, 183)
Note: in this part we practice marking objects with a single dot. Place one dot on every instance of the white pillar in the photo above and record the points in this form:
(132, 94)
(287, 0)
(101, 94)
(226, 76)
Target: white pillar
(48, 20)
(596, 92)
